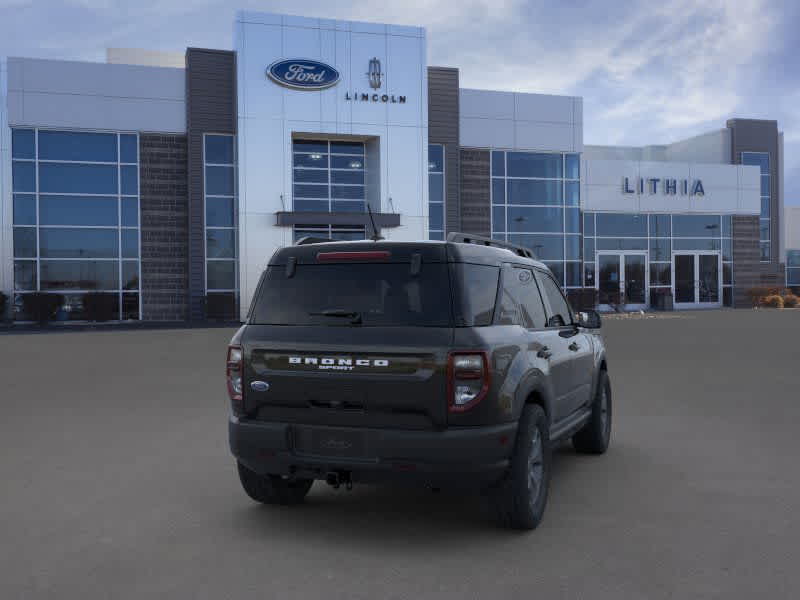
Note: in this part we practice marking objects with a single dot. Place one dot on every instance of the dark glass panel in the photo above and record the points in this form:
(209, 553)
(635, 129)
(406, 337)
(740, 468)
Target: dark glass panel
(759, 159)
(342, 162)
(311, 205)
(347, 148)
(498, 163)
(660, 226)
(588, 224)
(315, 161)
(572, 220)
(219, 181)
(78, 243)
(130, 307)
(708, 275)
(557, 268)
(347, 192)
(436, 187)
(130, 212)
(25, 242)
(220, 243)
(310, 191)
(311, 175)
(765, 208)
(635, 284)
(684, 278)
(129, 180)
(128, 149)
(347, 235)
(660, 249)
(25, 275)
(310, 146)
(498, 191)
(436, 216)
(609, 287)
(588, 274)
(24, 209)
(727, 273)
(765, 185)
(219, 212)
(727, 296)
(23, 176)
(622, 225)
(435, 235)
(498, 218)
(572, 245)
(695, 225)
(538, 220)
(130, 243)
(77, 179)
(727, 226)
(527, 191)
(531, 164)
(545, 247)
(77, 210)
(572, 191)
(661, 274)
(763, 229)
(78, 145)
(349, 206)
(621, 244)
(435, 158)
(219, 149)
(221, 274)
(695, 244)
(727, 249)
(793, 258)
(765, 250)
(80, 275)
(588, 249)
(23, 143)
(573, 274)
(358, 177)
(130, 274)
(793, 276)
(573, 166)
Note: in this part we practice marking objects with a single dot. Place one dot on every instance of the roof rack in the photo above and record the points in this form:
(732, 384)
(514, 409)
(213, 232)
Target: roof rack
(468, 238)
(310, 239)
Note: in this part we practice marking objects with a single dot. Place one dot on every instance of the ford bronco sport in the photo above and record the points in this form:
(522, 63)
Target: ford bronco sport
(444, 363)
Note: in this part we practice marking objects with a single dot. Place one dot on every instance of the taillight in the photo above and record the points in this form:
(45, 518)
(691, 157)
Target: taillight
(468, 379)
(233, 375)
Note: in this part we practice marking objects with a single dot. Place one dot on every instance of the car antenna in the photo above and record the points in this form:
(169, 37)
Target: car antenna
(375, 237)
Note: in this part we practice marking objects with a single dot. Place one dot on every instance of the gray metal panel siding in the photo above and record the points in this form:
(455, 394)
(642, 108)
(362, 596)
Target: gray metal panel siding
(746, 253)
(210, 108)
(443, 128)
(476, 216)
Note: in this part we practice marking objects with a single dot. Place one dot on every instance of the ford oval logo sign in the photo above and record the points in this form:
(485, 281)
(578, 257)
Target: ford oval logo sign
(303, 74)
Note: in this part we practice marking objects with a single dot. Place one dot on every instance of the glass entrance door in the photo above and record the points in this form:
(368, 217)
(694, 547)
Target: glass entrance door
(622, 280)
(697, 279)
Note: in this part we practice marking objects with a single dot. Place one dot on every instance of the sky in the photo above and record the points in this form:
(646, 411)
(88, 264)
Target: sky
(649, 72)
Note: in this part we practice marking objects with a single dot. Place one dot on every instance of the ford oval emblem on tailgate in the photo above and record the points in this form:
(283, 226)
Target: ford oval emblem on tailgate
(259, 386)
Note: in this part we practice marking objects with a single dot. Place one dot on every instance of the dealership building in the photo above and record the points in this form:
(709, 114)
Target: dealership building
(168, 180)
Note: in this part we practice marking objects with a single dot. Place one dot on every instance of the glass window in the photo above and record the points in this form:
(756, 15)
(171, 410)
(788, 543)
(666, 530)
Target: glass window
(765, 191)
(219, 149)
(727, 273)
(572, 220)
(66, 178)
(572, 246)
(530, 164)
(318, 161)
(727, 226)
(660, 249)
(130, 307)
(221, 275)
(357, 177)
(57, 242)
(347, 148)
(660, 226)
(526, 191)
(727, 249)
(572, 190)
(621, 243)
(544, 247)
(621, 225)
(498, 218)
(793, 258)
(24, 209)
(311, 175)
(588, 274)
(220, 243)
(557, 269)
(347, 206)
(765, 207)
(538, 219)
(436, 217)
(696, 225)
(763, 229)
(435, 158)
(219, 181)
(25, 275)
(23, 176)
(219, 212)
(312, 146)
(130, 243)
(560, 313)
(310, 191)
(498, 191)
(695, 244)
(765, 251)
(312, 205)
(521, 303)
(77, 146)
(478, 290)
(588, 249)
(588, 224)
(498, 163)
(346, 162)
(130, 212)
(573, 166)
(759, 159)
(130, 275)
(129, 176)
(660, 274)
(25, 242)
(573, 274)
(23, 143)
(128, 148)
(79, 275)
(727, 296)
(347, 192)
(77, 210)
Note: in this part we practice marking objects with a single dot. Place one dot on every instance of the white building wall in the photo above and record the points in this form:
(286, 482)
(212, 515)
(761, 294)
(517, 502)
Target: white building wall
(729, 189)
(82, 95)
(270, 114)
(713, 147)
(519, 121)
(6, 205)
(146, 58)
(791, 228)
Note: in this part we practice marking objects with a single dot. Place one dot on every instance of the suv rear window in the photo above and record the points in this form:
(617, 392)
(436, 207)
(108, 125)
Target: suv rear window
(364, 295)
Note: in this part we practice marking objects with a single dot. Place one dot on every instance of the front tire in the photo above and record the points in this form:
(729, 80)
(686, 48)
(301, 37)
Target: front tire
(596, 434)
(273, 489)
(520, 499)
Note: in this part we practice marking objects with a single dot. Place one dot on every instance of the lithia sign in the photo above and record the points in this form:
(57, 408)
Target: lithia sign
(306, 74)
(667, 186)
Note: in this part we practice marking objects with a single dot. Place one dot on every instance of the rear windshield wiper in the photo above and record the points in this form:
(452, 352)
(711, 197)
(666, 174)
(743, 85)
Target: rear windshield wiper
(354, 316)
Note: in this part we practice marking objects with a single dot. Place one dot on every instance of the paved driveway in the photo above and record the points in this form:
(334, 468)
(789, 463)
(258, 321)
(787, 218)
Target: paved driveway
(117, 483)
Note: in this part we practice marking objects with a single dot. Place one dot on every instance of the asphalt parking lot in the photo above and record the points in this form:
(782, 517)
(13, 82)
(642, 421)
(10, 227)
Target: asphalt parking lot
(117, 482)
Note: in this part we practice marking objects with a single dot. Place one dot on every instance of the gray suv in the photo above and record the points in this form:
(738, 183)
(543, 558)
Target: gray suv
(456, 363)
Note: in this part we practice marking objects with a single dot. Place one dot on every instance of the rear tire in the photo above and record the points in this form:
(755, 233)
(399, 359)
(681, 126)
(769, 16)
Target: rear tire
(519, 501)
(273, 489)
(596, 434)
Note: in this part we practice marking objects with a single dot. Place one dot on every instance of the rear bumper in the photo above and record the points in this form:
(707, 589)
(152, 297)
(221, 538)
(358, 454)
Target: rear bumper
(462, 456)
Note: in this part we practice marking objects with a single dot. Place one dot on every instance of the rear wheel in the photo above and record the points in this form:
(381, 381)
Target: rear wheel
(273, 489)
(596, 434)
(520, 499)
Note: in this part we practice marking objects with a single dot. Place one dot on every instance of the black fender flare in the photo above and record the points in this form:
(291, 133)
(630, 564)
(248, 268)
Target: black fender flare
(534, 382)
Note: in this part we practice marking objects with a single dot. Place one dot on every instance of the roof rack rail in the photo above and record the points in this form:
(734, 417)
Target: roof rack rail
(468, 238)
(310, 239)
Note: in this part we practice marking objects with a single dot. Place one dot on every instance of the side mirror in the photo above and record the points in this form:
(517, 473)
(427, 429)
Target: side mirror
(590, 319)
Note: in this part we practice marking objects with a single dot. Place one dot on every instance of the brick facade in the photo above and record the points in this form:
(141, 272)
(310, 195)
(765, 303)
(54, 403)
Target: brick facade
(164, 227)
(476, 203)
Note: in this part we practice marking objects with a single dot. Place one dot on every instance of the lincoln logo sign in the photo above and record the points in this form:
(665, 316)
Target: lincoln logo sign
(669, 187)
(302, 74)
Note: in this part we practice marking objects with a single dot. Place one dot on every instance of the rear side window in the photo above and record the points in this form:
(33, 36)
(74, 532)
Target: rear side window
(555, 298)
(355, 295)
(521, 303)
(477, 285)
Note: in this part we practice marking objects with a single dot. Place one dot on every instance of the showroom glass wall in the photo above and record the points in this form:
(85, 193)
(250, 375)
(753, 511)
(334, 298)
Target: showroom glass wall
(659, 235)
(793, 268)
(761, 160)
(536, 204)
(435, 191)
(76, 219)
